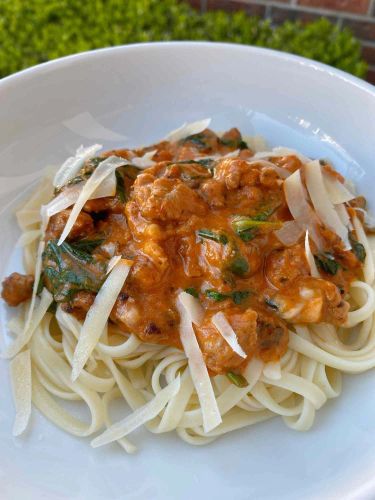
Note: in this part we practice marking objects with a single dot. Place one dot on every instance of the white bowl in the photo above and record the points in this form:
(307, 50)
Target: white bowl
(133, 95)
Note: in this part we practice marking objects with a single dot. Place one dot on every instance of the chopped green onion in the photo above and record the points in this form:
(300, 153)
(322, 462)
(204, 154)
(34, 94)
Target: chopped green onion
(237, 380)
(240, 295)
(216, 296)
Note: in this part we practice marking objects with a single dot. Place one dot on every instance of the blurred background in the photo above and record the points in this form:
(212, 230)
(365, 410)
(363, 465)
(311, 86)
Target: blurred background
(338, 32)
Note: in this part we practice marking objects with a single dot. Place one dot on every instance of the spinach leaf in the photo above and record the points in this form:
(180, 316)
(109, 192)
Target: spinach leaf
(239, 266)
(192, 291)
(217, 236)
(357, 248)
(120, 187)
(327, 263)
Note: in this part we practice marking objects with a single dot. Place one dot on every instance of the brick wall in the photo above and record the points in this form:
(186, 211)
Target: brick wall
(358, 15)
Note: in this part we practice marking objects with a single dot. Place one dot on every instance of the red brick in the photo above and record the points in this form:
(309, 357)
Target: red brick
(371, 75)
(355, 6)
(362, 29)
(279, 16)
(368, 53)
(235, 5)
(195, 3)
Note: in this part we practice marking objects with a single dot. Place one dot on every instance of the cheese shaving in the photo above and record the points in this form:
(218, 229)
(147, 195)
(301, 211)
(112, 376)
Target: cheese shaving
(198, 369)
(226, 331)
(144, 161)
(299, 207)
(139, 417)
(188, 129)
(20, 375)
(290, 233)
(322, 204)
(70, 168)
(112, 263)
(104, 169)
(192, 305)
(310, 258)
(97, 316)
(336, 190)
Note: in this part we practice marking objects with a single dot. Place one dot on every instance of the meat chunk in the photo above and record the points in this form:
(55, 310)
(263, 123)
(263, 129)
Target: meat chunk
(311, 300)
(236, 173)
(107, 204)
(213, 192)
(218, 355)
(285, 265)
(80, 304)
(17, 288)
(272, 337)
(166, 199)
(83, 226)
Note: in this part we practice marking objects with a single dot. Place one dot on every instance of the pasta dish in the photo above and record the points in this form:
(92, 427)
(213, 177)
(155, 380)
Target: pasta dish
(207, 282)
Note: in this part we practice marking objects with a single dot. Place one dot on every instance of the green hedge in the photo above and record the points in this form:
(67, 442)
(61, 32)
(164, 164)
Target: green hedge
(34, 31)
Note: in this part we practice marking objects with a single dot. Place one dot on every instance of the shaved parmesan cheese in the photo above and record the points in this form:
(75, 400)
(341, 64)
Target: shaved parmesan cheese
(70, 195)
(73, 165)
(20, 375)
(322, 204)
(344, 216)
(198, 369)
(35, 316)
(290, 233)
(139, 417)
(369, 219)
(188, 129)
(226, 331)
(98, 315)
(104, 169)
(272, 370)
(310, 258)
(192, 305)
(281, 151)
(113, 262)
(255, 142)
(336, 190)
(144, 161)
(299, 207)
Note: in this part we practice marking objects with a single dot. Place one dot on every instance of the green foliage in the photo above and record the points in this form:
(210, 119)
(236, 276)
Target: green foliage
(34, 31)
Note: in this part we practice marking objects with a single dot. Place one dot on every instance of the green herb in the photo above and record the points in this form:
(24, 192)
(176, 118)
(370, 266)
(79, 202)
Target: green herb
(68, 270)
(247, 228)
(192, 291)
(327, 263)
(237, 379)
(87, 245)
(242, 223)
(239, 266)
(217, 236)
(40, 286)
(234, 143)
(120, 187)
(271, 303)
(239, 296)
(52, 308)
(197, 139)
(216, 296)
(358, 249)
